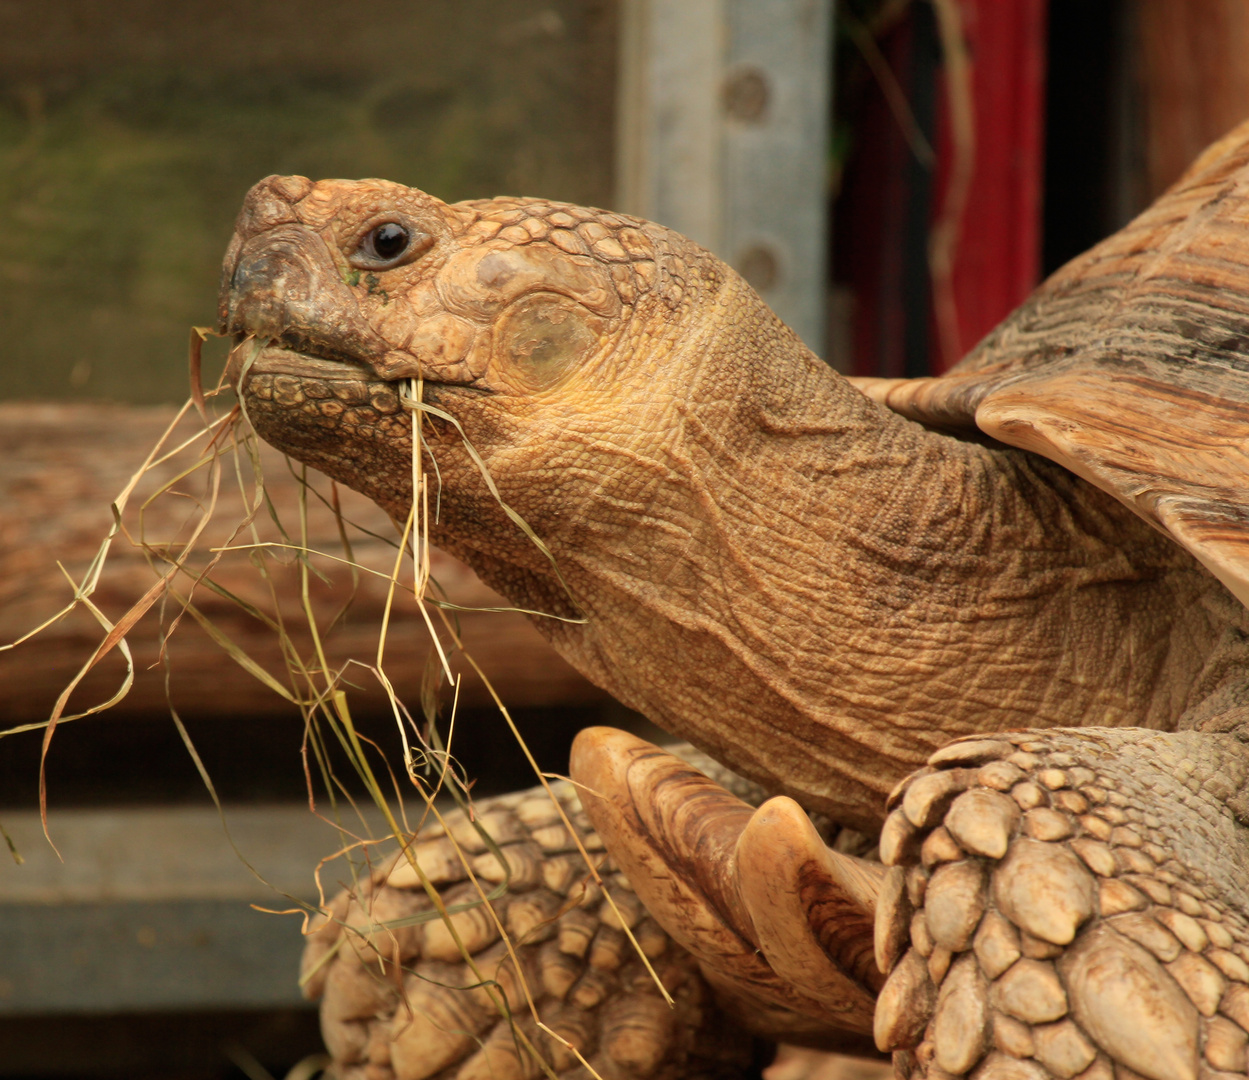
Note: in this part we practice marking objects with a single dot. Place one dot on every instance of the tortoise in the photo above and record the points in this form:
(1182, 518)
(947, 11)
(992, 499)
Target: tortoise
(995, 618)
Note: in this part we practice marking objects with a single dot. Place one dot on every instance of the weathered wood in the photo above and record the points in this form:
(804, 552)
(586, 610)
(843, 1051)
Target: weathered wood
(134, 957)
(147, 855)
(60, 466)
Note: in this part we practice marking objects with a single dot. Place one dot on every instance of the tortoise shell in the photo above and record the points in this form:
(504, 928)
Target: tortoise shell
(1130, 367)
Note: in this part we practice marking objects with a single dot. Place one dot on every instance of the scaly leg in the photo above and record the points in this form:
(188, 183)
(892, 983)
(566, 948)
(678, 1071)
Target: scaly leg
(399, 1002)
(1068, 903)
(791, 959)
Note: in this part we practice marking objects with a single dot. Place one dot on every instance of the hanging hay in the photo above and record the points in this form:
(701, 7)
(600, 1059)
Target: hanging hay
(447, 894)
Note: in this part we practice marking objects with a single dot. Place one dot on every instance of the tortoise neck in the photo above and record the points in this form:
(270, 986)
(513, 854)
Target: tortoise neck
(863, 589)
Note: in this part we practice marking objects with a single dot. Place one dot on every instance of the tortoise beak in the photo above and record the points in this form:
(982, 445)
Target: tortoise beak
(271, 283)
(284, 287)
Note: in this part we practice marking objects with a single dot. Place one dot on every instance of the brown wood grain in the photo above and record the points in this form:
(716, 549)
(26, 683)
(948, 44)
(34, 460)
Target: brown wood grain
(1195, 80)
(60, 466)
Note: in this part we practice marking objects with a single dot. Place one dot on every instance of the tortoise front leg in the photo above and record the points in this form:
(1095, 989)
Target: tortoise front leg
(781, 925)
(1068, 903)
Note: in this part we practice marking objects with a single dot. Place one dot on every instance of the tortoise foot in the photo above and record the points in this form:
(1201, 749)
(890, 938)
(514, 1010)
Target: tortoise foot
(1066, 904)
(401, 1000)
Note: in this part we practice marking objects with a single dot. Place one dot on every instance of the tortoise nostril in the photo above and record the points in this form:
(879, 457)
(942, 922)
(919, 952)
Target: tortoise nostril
(262, 288)
(265, 272)
(284, 285)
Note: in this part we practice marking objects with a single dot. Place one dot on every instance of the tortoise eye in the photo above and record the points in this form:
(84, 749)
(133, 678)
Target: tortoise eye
(385, 243)
(388, 244)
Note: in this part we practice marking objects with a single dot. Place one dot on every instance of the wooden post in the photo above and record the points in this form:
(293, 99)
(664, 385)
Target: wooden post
(1195, 80)
(723, 123)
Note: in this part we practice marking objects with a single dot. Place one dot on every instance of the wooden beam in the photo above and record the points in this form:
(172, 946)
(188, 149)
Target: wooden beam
(61, 465)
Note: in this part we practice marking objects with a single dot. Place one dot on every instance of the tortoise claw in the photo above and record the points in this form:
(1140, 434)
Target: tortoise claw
(781, 924)
(812, 908)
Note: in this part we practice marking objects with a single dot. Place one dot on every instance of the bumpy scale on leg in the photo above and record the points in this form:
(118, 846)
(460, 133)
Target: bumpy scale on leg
(398, 1002)
(1068, 903)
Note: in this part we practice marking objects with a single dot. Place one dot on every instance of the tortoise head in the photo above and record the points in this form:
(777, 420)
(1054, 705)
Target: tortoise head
(634, 401)
(525, 319)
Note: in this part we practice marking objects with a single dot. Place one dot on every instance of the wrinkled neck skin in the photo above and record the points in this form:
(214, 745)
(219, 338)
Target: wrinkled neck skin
(818, 592)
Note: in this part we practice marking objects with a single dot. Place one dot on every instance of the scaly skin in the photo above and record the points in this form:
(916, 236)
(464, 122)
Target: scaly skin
(1074, 904)
(399, 1001)
(816, 591)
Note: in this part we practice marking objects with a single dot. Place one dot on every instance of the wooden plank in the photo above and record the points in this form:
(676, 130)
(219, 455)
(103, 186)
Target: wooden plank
(166, 854)
(142, 957)
(722, 128)
(151, 909)
(59, 468)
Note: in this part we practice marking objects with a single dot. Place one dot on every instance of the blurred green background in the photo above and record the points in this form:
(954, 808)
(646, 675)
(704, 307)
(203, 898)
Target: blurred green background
(129, 133)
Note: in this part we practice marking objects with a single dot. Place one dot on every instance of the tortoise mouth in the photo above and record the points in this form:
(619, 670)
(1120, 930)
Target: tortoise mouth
(291, 355)
(279, 360)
